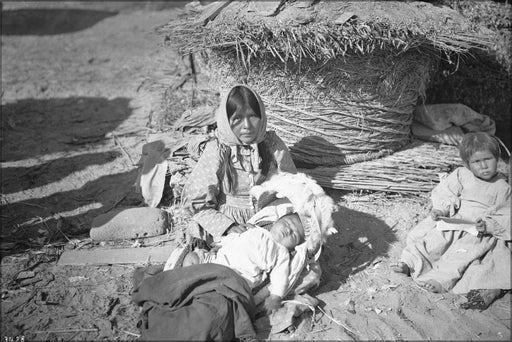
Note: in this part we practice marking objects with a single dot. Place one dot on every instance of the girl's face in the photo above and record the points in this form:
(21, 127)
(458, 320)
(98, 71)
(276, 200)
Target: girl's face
(286, 231)
(483, 164)
(245, 123)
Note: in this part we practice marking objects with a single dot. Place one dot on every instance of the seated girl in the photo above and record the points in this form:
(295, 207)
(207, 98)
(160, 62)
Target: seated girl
(463, 245)
(242, 155)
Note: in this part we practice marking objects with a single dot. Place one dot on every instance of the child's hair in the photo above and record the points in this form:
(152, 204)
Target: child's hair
(301, 230)
(239, 98)
(478, 141)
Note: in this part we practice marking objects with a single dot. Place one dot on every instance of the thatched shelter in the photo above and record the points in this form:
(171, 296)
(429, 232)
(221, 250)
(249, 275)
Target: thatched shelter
(483, 80)
(340, 79)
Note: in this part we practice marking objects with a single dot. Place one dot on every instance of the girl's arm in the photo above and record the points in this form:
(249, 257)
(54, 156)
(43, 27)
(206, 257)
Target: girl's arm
(497, 221)
(445, 196)
(202, 189)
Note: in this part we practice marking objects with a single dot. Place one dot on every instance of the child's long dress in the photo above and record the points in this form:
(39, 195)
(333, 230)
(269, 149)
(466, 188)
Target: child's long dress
(458, 260)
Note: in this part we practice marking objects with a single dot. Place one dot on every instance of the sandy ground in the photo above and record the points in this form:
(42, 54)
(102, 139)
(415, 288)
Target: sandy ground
(75, 106)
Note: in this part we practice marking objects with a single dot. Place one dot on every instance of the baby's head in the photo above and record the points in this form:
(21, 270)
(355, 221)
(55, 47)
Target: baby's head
(480, 153)
(288, 231)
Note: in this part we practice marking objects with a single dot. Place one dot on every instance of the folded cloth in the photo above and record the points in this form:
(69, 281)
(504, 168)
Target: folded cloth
(447, 122)
(203, 302)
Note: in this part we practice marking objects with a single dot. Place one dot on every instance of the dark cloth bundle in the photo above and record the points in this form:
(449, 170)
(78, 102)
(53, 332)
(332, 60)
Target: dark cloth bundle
(204, 302)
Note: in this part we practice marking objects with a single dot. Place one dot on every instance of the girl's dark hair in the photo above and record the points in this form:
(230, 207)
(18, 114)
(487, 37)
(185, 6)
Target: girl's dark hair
(240, 98)
(478, 141)
(229, 171)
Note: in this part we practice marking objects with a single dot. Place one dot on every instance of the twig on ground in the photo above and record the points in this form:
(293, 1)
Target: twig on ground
(116, 203)
(124, 150)
(58, 225)
(130, 333)
(73, 336)
(320, 330)
(33, 205)
(336, 321)
(28, 268)
(20, 305)
(66, 330)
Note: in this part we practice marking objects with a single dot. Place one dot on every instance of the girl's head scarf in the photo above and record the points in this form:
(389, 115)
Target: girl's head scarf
(227, 137)
(225, 133)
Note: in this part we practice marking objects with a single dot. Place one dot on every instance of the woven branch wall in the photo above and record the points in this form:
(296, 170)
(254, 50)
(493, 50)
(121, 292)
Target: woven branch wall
(342, 111)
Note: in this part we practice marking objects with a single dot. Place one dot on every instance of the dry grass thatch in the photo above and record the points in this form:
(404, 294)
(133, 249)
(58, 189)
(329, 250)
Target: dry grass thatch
(340, 79)
(413, 170)
(340, 112)
(292, 30)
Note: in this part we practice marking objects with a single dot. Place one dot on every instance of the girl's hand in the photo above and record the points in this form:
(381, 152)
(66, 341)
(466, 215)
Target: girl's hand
(481, 226)
(435, 213)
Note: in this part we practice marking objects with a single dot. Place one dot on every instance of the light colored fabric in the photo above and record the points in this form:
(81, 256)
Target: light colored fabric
(482, 273)
(300, 263)
(447, 122)
(155, 152)
(204, 192)
(457, 259)
(450, 136)
(471, 198)
(254, 254)
(310, 202)
(152, 176)
(272, 212)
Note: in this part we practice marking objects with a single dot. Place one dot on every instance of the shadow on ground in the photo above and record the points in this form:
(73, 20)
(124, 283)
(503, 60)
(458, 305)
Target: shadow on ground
(45, 141)
(41, 21)
(21, 178)
(32, 127)
(361, 240)
(37, 222)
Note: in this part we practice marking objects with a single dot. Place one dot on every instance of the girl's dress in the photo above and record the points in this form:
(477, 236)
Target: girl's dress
(207, 194)
(459, 260)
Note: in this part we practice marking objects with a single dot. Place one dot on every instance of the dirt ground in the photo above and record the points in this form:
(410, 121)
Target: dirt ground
(76, 85)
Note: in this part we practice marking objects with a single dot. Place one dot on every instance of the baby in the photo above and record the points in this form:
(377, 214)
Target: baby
(258, 253)
(442, 254)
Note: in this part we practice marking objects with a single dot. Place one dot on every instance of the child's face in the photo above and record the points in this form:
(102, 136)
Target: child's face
(287, 230)
(483, 164)
(245, 124)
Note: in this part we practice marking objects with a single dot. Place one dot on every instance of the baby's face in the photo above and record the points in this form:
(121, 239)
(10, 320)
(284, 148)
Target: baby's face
(483, 164)
(287, 231)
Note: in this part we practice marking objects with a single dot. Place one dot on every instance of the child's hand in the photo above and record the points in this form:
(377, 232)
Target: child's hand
(481, 227)
(435, 213)
(272, 303)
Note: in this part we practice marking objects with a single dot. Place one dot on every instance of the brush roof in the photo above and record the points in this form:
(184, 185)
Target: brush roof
(325, 30)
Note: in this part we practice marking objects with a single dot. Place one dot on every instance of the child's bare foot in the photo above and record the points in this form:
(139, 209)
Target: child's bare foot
(401, 267)
(432, 286)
